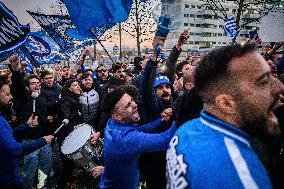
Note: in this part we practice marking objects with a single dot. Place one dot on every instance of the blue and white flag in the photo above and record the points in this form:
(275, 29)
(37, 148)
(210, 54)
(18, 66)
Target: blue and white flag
(89, 14)
(43, 49)
(23, 58)
(12, 33)
(64, 33)
(230, 28)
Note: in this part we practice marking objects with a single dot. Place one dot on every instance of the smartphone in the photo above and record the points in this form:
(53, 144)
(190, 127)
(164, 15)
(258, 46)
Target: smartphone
(252, 34)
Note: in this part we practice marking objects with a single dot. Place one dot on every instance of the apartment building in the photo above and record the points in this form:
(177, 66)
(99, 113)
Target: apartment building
(205, 29)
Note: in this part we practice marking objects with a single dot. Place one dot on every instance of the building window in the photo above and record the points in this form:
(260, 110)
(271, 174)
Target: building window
(220, 26)
(213, 42)
(190, 42)
(219, 34)
(186, 15)
(193, 6)
(214, 34)
(224, 43)
(199, 16)
(196, 42)
(191, 25)
(192, 15)
(197, 25)
(198, 6)
(186, 6)
(185, 24)
(207, 34)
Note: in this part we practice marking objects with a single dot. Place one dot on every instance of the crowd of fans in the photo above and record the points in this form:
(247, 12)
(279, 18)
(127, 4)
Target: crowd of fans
(137, 112)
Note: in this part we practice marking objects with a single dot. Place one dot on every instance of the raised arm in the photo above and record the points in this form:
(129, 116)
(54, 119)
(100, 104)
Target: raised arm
(145, 142)
(173, 57)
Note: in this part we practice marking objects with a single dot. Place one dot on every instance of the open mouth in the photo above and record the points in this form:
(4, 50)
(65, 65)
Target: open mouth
(271, 118)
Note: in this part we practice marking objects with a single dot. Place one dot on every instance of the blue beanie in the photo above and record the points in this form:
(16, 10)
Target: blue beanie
(161, 79)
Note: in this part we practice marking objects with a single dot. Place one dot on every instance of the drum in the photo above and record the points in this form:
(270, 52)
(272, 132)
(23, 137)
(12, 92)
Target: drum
(77, 146)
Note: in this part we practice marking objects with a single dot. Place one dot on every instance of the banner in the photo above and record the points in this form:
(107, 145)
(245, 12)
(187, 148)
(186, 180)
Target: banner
(12, 33)
(43, 49)
(88, 14)
(64, 33)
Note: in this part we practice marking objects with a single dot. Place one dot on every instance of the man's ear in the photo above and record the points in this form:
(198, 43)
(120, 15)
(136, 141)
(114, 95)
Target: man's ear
(226, 104)
(116, 117)
(27, 88)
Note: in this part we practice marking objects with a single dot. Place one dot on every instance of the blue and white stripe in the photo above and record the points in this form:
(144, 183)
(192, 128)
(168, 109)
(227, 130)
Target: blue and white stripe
(230, 28)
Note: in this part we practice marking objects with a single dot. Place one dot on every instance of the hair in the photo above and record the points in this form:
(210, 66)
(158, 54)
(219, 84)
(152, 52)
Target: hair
(30, 77)
(114, 82)
(89, 69)
(110, 100)
(44, 73)
(86, 75)
(179, 68)
(3, 82)
(66, 67)
(132, 91)
(69, 83)
(212, 75)
(116, 67)
(100, 65)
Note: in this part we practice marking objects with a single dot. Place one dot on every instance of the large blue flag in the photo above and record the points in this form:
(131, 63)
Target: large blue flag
(12, 33)
(88, 14)
(230, 28)
(43, 49)
(64, 33)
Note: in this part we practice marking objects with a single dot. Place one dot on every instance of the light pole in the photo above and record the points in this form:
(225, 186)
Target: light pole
(120, 52)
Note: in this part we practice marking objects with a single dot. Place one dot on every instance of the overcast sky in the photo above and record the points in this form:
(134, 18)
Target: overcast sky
(19, 7)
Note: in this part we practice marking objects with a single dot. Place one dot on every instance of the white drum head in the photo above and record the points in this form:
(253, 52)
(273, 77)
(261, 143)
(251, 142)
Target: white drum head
(76, 139)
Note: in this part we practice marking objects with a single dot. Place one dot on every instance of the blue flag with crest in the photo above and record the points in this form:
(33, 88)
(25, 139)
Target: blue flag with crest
(64, 33)
(43, 49)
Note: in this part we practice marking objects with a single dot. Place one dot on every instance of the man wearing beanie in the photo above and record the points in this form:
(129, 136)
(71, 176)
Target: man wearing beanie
(124, 140)
(156, 96)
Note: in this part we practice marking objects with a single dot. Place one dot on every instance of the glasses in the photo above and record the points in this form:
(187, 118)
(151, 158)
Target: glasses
(100, 71)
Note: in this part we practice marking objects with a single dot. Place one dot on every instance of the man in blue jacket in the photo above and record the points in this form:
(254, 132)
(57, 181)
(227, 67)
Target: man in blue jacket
(124, 140)
(239, 94)
(10, 149)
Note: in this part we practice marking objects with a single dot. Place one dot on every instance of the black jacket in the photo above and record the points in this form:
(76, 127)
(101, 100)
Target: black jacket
(24, 104)
(69, 109)
(51, 96)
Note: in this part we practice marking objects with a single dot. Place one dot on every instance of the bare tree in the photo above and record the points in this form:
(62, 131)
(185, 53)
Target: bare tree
(262, 7)
(140, 23)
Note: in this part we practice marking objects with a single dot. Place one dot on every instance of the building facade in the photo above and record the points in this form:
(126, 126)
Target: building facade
(206, 29)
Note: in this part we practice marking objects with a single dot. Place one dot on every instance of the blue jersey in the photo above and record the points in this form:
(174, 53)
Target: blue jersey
(209, 153)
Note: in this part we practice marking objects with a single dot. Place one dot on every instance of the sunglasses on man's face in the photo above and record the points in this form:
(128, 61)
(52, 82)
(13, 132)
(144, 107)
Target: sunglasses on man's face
(100, 71)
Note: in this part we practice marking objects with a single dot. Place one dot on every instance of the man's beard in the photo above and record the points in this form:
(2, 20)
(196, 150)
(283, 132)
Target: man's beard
(255, 128)
(5, 108)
